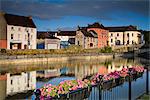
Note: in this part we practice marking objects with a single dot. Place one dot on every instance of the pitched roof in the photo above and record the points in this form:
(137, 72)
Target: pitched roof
(19, 20)
(93, 33)
(46, 35)
(122, 28)
(66, 33)
(89, 34)
(96, 25)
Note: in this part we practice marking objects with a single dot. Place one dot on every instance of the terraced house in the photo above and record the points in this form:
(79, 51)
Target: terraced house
(124, 35)
(17, 32)
(102, 33)
(86, 39)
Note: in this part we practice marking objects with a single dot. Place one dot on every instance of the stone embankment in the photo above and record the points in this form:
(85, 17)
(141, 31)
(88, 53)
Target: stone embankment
(54, 58)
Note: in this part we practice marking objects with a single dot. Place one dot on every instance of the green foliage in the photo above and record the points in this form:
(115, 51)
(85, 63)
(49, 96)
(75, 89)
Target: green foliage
(3, 50)
(73, 49)
(106, 50)
(146, 36)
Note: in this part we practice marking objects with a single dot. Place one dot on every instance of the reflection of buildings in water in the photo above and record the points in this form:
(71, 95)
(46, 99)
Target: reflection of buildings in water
(84, 70)
(21, 82)
(48, 73)
(117, 67)
(3, 79)
(16, 83)
(87, 70)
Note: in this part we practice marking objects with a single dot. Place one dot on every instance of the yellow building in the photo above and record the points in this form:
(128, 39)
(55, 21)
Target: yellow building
(124, 35)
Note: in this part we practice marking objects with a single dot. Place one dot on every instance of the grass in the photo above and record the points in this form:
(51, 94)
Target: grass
(73, 49)
(144, 97)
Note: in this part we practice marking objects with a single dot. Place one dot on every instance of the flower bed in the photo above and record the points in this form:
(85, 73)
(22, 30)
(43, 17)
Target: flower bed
(81, 88)
(64, 89)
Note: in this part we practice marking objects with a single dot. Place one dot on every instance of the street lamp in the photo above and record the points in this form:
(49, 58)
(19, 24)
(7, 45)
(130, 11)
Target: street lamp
(27, 30)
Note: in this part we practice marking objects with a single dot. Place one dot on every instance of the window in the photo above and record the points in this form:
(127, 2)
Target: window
(111, 34)
(91, 44)
(128, 42)
(127, 34)
(132, 42)
(12, 36)
(78, 43)
(132, 34)
(117, 34)
(25, 37)
(31, 30)
(11, 82)
(19, 29)
(18, 36)
(111, 40)
(12, 28)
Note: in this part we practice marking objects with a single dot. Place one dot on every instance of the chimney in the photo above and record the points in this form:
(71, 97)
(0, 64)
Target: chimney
(59, 31)
(30, 17)
(78, 27)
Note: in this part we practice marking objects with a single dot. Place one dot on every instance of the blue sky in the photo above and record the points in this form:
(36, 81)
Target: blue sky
(68, 14)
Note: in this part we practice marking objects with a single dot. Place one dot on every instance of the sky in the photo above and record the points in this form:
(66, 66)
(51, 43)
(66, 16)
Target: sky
(51, 15)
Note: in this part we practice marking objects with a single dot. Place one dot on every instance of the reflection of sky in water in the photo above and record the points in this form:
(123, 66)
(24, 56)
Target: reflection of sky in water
(54, 81)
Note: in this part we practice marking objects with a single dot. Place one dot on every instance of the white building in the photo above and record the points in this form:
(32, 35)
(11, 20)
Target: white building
(21, 82)
(17, 32)
(47, 40)
(48, 73)
(125, 35)
(66, 37)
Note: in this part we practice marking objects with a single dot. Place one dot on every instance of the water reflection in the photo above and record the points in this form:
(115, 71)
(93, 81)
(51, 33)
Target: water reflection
(19, 79)
(17, 83)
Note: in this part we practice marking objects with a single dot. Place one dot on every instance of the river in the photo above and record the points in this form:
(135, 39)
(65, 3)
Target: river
(16, 80)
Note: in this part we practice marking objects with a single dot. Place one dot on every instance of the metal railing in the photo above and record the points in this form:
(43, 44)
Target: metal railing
(129, 89)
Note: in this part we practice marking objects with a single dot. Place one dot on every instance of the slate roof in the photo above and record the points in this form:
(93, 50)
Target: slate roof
(96, 25)
(66, 33)
(93, 33)
(17, 20)
(122, 28)
(89, 34)
(46, 35)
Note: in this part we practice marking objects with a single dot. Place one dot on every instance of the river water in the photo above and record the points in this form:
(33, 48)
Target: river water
(17, 79)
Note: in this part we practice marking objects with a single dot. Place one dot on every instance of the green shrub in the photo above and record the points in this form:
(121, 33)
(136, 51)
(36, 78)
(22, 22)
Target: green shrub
(106, 50)
(3, 50)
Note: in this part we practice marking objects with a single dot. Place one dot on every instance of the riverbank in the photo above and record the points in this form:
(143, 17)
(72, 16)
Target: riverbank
(54, 58)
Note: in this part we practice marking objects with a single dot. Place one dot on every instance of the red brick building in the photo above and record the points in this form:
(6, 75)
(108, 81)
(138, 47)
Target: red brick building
(102, 33)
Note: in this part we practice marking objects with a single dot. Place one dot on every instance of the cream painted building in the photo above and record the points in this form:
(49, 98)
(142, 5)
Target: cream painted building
(126, 35)
(86, 39)
(21, 82)
(17, 32)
